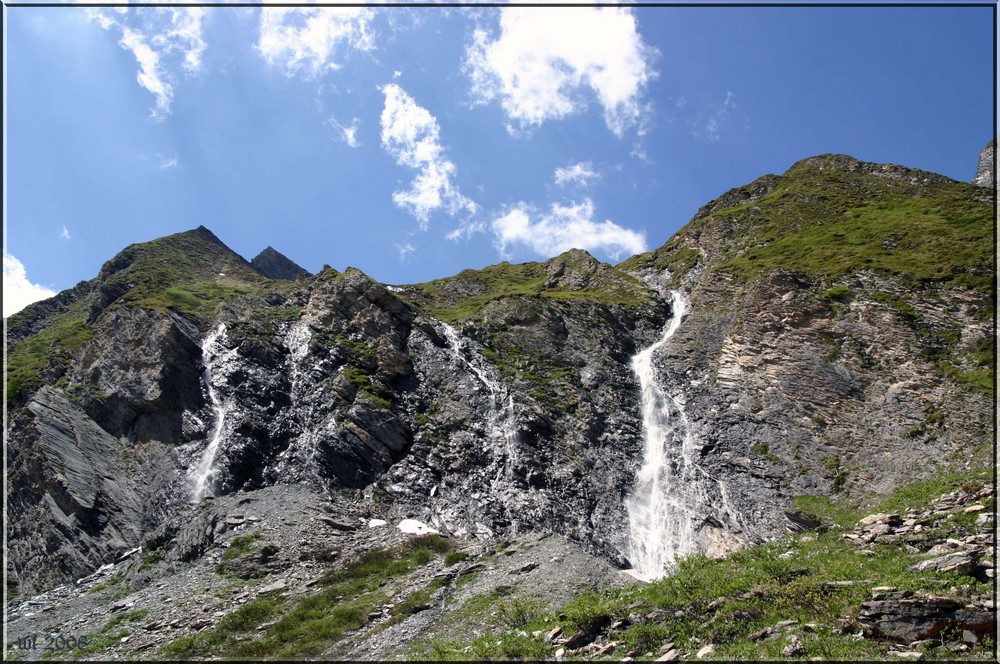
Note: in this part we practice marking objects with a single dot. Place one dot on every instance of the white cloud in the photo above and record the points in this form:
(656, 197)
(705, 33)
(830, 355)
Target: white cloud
(545, 59)
(150, 74)
(580, 173)
(18, 292)
(405, 249)
(160, 40)
(564, 227)
(303, 40)
(166, 162)
(64, 233)
(410, 133)
(348, 135)
(466, 229)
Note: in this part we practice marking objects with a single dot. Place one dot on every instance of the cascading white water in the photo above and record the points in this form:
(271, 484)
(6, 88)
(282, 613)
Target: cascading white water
(204, 472)
(501, 417)
(668, 500)
(297, 340)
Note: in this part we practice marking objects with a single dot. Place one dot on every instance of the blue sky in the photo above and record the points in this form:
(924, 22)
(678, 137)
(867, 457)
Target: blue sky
(414, 143)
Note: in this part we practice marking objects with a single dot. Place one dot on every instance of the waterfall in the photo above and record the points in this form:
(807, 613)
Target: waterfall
(297, 340)
(667, 504)
(204, 473)
(502, 416)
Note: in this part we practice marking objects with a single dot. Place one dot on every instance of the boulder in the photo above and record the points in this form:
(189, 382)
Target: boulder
(958, 562)
(915, 618)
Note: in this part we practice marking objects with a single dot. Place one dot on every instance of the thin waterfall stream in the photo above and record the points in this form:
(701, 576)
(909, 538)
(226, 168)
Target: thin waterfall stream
(502, 415)
(204, 473)
(667, 502)
(297, 340)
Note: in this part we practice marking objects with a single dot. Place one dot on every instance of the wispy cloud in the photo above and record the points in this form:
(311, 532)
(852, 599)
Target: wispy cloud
(151, 76)
(165, 163)
(562, 228)
(348, 135)
(717, 119)
(410, 133)
(64, 233)
(304, 41)
(161, 41)
(405, 249)
(544, 61)
(581, 173)
(466, 229)
(18, 291)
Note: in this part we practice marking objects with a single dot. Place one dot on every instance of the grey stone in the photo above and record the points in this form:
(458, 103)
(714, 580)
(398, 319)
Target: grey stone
(916, 618)
(986, 170)
(959, 562)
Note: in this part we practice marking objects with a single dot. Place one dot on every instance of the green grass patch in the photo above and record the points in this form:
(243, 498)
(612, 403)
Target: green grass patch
(98, 643)
(51, 349)
(241, 545)
(311, 625)
(122, 618)
(151, 557)
(837, 293)
(226, 635)
(263, 323)
(118, 584)
(468, 292)
(762, 450)
(365, 383)
(454, 557)
(827, 223)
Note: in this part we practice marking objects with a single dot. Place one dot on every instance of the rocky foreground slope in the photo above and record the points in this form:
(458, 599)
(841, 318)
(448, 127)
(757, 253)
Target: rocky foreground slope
(838, 341)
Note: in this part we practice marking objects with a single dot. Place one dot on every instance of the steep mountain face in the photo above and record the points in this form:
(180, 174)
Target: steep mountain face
(836, 339)
(840, 334)
(271, 263)
(92, 455)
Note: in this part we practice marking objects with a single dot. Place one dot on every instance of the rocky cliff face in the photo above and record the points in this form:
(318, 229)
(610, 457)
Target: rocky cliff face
(987, 169)
(838, 340)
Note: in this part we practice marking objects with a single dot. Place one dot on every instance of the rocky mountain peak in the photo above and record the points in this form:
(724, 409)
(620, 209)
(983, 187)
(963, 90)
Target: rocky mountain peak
(200, 246)
(188, 271)
(986, 172)
(203, 232)
(275, 265)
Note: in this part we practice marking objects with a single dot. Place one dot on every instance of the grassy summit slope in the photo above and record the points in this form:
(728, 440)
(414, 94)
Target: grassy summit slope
(828, 216)
(190, 273)
(573, 274)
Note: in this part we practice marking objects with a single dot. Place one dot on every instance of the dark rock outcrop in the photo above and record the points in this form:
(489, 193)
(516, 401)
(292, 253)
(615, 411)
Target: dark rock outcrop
(275, 265)
(72, 492)
(915, 618)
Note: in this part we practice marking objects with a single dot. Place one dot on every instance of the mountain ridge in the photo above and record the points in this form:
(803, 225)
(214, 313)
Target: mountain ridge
(503, 403)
